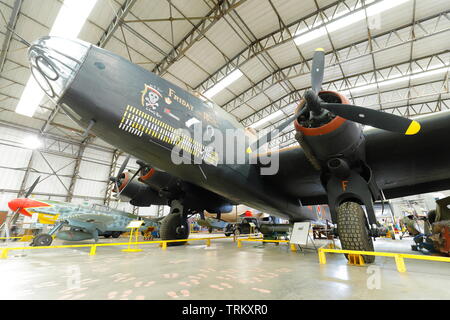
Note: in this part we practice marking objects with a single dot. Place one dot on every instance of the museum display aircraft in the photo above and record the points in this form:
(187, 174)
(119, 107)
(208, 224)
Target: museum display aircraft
(83, 221)
(213, 221)
(337, 162)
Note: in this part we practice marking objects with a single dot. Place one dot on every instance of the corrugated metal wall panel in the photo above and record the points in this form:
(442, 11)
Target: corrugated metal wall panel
(10, 178)
(5, 197)
(14, 157)
(59, 164)
(88, 188)
(90, 170)
(49, 184)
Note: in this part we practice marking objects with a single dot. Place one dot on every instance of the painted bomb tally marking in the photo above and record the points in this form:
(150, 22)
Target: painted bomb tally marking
(138, 122)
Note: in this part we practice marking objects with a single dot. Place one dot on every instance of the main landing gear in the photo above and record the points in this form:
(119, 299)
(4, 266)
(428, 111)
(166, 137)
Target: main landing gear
(42, 240)
(175, 226)
(353, 229)
(347, 193)
(46, 239)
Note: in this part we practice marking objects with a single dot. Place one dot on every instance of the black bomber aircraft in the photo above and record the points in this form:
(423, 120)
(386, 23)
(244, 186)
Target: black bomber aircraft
(336, 163)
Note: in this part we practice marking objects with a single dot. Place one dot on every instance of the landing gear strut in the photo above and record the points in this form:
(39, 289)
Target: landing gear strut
(175, 226)
(347, 192)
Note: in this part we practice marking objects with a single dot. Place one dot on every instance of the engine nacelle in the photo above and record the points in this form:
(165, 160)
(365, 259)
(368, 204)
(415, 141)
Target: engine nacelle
(337, 138)
(160, 188)
(138, 193)
(157, 180)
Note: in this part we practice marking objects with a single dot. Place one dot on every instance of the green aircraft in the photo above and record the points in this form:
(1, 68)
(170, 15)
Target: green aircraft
(337, 162)
(83, 221)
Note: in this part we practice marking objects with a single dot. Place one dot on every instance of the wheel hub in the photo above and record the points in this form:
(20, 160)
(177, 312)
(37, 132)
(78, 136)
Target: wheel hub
(180, 229)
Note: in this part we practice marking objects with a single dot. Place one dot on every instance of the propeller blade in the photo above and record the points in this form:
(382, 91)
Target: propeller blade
(129, 181)
(374, 118)
(32, 187)
(122, 168)
(317, 69)
(271, 135)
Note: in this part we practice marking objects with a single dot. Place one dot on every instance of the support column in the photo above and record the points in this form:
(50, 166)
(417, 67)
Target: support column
(110, 184)
(76, 169)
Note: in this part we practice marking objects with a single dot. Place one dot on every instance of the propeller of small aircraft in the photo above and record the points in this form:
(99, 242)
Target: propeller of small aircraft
(319, 110)
(21, 201)
(32, 187)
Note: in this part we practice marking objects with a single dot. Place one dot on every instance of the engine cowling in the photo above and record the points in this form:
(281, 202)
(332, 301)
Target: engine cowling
(138, 193)
(333, 138)
(156, 179)
(160, 188)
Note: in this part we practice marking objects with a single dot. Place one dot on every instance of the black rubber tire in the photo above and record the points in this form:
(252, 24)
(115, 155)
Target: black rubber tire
(42, 240)
(352, 228)
(171, 229)
(116, 234)
(106, 236)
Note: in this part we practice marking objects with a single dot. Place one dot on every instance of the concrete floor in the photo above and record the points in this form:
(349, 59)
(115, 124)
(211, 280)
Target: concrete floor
(221, 271)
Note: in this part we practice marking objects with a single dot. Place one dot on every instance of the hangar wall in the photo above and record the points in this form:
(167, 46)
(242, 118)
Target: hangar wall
(62, 178)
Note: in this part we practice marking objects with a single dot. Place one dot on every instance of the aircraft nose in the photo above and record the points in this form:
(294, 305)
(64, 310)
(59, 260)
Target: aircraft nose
(54, 63)
(21, 204)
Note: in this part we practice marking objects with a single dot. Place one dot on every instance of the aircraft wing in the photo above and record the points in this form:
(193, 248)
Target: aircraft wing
(402, 165)
(98, 219)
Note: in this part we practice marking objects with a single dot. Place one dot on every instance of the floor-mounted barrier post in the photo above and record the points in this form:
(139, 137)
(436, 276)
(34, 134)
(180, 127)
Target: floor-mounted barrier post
(293, 247)
(4, 254)
(93, 250)
(322, 257)
(208, 242)
(356, 260)
(239, 243)
(164, 245)
(400, 262)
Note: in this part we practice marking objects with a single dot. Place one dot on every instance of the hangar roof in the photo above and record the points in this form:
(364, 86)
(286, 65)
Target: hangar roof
(390, 55)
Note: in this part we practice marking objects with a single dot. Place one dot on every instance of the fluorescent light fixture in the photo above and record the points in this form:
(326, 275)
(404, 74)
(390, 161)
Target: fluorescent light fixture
(395, 80)
(30, 99)
(71, 18)
(266, 119)
(341, 22)
(69, 21)
(222, 84)
(32, 142)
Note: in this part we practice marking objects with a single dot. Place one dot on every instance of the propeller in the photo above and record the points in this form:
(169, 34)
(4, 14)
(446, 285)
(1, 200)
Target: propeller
(116, 179)
(119, 173)
(30, 190)
(32, 187)
(319, 110)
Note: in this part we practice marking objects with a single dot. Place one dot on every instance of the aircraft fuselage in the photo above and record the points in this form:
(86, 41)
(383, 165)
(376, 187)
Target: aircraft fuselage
(139, 112)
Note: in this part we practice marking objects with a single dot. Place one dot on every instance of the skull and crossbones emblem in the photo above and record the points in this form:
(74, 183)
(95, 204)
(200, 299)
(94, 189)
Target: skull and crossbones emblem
(150, 97)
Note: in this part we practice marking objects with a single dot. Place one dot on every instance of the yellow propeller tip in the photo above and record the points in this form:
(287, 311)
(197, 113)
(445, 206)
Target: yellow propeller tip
(249, 150)
(413, 128)
(320, 49)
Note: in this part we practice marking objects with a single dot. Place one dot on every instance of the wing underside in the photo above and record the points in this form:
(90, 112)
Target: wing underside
(401, 164)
